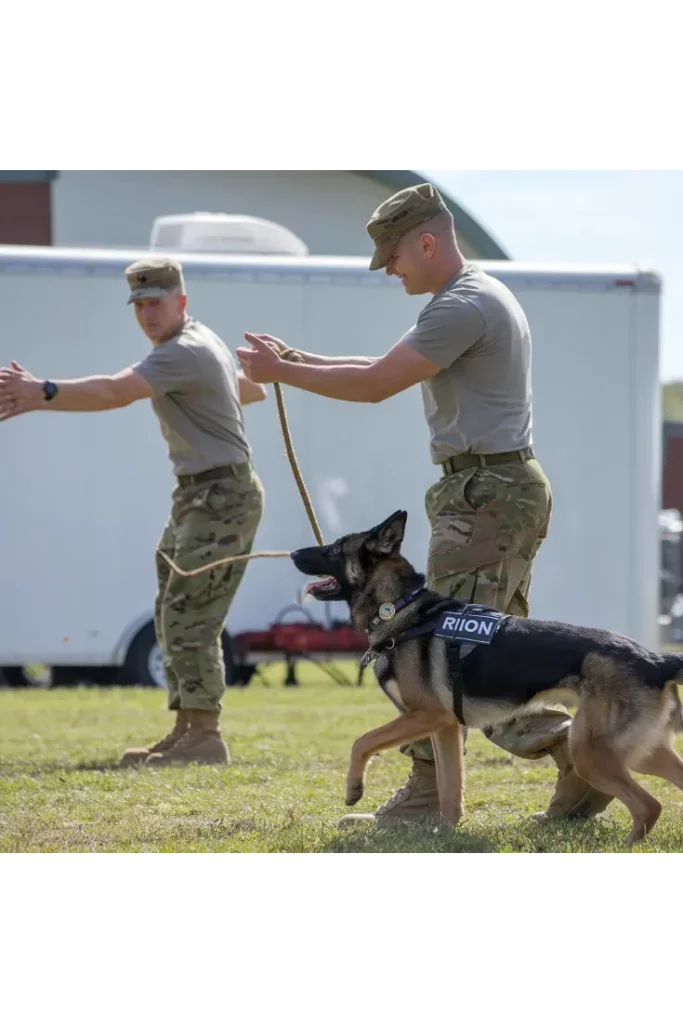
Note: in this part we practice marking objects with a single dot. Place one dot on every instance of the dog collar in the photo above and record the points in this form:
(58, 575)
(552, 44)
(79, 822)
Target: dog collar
(387, 611)
(388, 645)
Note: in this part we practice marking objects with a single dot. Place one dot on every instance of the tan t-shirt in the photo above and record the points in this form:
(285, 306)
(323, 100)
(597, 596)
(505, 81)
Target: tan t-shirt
(194, 377)
(481, 401)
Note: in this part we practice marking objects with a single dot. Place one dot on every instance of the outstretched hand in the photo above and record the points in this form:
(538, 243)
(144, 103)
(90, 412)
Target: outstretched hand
(20, 391)
(261, 363)
(276, 344)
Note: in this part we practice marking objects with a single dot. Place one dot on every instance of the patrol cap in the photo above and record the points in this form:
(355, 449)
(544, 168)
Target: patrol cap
(153, 277)
(398, 215)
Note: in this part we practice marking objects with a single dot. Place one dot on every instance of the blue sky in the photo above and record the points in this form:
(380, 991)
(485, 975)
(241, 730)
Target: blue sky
(591, 217)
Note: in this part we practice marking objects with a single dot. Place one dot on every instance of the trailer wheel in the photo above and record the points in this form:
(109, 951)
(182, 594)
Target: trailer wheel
(14, 675)
(144, 664)
(26, 676)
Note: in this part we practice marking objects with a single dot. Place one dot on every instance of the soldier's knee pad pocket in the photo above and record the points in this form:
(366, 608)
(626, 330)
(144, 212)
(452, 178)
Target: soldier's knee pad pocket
(465, 543)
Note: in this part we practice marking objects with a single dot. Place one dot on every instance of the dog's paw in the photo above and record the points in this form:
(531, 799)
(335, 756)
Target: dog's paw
(354, 792)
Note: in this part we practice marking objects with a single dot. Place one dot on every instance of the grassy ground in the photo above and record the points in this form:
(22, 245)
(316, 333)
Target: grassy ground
(60, 789)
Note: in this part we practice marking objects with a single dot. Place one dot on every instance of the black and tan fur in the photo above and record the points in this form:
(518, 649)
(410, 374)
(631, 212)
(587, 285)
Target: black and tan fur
(625, 694)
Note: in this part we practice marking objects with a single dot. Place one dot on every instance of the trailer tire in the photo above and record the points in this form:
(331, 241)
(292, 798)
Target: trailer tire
(15, 676)
(144, 664)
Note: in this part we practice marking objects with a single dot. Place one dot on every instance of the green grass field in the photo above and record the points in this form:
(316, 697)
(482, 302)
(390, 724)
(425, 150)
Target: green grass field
(60, 789)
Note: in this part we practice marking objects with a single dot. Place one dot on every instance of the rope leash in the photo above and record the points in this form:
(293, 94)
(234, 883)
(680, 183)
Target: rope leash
(295, 467)
(295, 357)
(223, 561)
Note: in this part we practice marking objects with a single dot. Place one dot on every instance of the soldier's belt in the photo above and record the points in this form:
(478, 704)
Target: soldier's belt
(458, 462)
(207, 475)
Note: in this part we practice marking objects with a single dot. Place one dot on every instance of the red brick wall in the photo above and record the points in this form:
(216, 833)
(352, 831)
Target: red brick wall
(25, 213)
(672, 476)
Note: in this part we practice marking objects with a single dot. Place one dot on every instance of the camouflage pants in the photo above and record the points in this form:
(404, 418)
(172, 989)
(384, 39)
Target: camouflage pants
(208, 521)
(487, 526)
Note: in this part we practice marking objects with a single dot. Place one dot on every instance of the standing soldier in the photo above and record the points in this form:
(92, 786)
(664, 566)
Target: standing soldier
(470, 351)
(197, 393)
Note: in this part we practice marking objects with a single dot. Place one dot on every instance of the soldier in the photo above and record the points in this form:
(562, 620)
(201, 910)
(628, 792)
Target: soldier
(470, 351)
(196, 392)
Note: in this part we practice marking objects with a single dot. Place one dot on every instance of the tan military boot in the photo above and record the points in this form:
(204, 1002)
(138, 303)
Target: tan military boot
(136, 756)
(416, 802)
(548, 733)
(573, 798)
(201, 743)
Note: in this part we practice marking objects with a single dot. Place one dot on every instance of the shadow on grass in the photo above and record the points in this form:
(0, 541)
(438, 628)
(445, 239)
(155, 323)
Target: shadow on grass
(411, 840)
(10, 769)
(592, 836)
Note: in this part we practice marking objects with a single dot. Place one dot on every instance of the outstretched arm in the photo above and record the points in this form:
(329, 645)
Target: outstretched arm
(446, 328)
(312, 358)
(250, 392)
(385, 376)
(21, 392)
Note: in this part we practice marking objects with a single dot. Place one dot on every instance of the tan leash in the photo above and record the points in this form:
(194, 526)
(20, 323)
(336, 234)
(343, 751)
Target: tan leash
(293, 356)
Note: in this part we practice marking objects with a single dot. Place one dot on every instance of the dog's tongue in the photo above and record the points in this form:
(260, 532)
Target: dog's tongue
(324, 583)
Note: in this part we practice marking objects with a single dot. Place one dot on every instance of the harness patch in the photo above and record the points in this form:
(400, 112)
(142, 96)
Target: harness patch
(473, 627)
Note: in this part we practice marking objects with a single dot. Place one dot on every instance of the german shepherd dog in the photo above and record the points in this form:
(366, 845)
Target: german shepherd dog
(625, 693)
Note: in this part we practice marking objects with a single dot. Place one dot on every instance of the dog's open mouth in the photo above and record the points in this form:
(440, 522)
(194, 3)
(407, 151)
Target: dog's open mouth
(325, 587)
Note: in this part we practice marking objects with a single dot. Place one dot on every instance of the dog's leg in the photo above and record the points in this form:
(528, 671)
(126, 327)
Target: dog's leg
(597, 764)
(450, 771)
(661, 760)
(413, 726)
(663, 763)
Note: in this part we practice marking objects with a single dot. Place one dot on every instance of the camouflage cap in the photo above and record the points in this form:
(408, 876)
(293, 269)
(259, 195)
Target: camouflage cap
(154, 277)
(399, 215)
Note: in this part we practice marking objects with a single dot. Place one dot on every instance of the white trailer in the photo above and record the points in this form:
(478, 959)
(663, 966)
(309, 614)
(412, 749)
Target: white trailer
(85, 497)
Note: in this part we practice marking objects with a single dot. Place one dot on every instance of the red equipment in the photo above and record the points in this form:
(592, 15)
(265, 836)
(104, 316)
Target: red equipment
(294, 641)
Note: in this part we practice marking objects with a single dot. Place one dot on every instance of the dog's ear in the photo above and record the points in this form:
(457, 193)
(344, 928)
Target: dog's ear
(386, 539)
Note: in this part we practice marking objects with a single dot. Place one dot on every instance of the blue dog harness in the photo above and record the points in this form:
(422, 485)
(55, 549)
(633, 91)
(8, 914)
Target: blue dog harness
(465, 628)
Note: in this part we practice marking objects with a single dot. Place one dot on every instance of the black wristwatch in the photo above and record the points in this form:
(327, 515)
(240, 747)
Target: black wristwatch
(50, 389)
